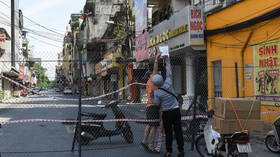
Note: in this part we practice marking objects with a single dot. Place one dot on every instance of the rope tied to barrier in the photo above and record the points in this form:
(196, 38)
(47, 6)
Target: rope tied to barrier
(236, 116)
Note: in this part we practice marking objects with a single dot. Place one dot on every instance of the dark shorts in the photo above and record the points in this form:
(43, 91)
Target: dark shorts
(152, 112)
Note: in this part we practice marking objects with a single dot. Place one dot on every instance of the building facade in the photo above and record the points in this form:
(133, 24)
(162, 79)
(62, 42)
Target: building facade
(179, 26)
(243, 53)
(12, 43)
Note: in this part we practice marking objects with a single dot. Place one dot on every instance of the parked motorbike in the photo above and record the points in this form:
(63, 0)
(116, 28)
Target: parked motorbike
(211, 143)
(272, 140)
(93, 130)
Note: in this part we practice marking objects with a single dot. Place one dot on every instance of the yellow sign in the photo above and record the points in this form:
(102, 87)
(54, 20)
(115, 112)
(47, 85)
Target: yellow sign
(110, 58)
(267, 72)
(164, 36)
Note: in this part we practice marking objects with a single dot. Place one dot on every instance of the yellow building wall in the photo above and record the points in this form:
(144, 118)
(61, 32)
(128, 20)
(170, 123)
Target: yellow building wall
(227, 46)
(242, 11)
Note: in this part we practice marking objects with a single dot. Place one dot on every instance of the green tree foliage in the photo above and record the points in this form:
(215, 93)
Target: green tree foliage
(2, 94)
(43, 80)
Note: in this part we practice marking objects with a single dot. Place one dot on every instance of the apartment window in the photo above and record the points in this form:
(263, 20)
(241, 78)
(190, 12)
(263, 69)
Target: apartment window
(217, 78)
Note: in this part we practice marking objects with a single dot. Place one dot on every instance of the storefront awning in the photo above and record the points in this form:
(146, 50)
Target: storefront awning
(12, 72)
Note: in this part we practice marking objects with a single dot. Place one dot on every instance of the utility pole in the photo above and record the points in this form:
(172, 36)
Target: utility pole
(13, 33)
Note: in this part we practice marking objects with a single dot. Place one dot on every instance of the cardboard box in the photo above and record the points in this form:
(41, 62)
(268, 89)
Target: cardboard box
(223, 108)
(231, 125)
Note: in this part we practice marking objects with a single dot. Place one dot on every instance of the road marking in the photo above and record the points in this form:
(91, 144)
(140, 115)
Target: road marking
(70, 129)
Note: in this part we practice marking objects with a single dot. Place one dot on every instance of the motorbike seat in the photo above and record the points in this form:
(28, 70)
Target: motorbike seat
(93, 115)
(235, 135)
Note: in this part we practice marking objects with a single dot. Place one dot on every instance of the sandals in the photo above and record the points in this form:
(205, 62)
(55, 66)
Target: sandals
(153, 151)
(149, 149)
(167, 154)
(144, 145)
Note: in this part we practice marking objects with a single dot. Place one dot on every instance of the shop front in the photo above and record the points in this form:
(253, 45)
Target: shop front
(183, 34)
(110, 75)
(243, 57)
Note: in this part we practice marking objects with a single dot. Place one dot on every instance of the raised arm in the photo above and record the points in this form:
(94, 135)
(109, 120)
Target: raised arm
(155, 70)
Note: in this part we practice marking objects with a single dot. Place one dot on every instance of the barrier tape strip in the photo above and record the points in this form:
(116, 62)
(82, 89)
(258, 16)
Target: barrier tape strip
(92, 121)
(116, 91)
(16, 83)
(270, 112)
(87, 121)
(90, 98)
(97, 97)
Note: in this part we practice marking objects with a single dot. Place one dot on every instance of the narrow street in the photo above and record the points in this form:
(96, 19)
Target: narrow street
(44, 139)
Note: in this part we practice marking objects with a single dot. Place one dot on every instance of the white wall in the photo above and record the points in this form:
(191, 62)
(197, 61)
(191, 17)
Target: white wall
(5, 22)
(189, 82)
(177, 78)
(179, 4)
(5, 65)
(5, 15)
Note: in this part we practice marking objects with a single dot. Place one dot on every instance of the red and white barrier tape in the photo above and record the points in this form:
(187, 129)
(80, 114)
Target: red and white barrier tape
(97, 97)
(116, 91)
(91, 98)
(84, 121)
(91, 121)
(18, 84)
(270, 112)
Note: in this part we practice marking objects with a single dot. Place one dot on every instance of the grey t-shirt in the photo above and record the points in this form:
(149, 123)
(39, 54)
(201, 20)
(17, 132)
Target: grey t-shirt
(162, 98)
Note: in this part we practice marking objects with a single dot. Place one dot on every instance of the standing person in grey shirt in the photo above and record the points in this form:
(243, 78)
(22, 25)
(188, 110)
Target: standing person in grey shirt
(171, 115)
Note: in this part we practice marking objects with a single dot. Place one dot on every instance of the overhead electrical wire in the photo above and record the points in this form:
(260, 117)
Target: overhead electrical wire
(36, 23)
(44, 42)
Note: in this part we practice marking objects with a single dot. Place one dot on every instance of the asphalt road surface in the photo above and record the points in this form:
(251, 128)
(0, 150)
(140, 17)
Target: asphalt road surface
(54, 139)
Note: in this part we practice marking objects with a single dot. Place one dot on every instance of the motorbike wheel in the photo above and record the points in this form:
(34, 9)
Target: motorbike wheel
(84, 141)
(271, 144)
(201, 147)
(243, 155)
(127, 134)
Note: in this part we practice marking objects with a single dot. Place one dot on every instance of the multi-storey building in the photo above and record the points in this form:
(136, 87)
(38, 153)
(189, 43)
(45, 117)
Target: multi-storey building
(179, 25)
(12, 56)
(243, 53)
(100, 47)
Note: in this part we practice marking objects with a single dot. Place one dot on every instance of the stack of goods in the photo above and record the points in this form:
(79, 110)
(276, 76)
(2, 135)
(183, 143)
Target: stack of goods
(237, 114)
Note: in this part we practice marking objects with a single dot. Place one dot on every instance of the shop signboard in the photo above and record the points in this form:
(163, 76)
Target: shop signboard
(97, 68)
(140, 29)
(196, 26)
(183, 29)
(111, 57)
(267, 72)
(109, 61)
